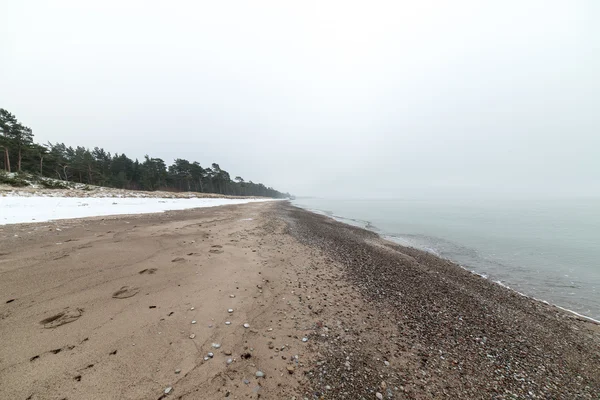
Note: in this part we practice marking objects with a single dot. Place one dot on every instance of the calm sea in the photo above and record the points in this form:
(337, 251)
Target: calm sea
(547, 249)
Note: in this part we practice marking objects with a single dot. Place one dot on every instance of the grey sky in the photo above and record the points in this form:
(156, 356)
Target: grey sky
(330, 98)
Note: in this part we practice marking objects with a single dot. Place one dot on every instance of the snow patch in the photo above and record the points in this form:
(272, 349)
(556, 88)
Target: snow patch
(17, 210)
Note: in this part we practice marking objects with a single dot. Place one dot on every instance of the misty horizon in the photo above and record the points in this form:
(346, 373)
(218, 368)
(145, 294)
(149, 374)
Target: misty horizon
(334, 100)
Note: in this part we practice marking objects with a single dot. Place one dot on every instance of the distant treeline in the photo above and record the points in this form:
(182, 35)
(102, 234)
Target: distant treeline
(98, 167)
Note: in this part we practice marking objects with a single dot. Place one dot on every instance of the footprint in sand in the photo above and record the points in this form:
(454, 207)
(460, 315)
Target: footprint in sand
(216, 249)
(125, 292)
(148, 271)
(62, 318)
(178, 259)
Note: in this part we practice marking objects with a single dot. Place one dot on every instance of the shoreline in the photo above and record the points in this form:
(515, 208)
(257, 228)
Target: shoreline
(405, 243)
(319, 308)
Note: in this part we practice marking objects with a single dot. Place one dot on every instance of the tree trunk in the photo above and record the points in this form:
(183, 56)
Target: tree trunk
(6, 160)
(41, 165)
(65, 172)
(19, 161)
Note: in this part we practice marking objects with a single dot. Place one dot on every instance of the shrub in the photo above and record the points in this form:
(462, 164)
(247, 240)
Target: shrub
(15, 181)
(50, 184)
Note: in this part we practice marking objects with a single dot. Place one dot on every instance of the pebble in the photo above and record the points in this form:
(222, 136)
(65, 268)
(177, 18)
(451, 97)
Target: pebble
(216, 345)
(305, 339)
(177, 371)
(192, 309)
(379, 396)
(387, 363)
(193, 322)
(246, 326)
(192, 336)
(230, 310)
(206, 358)
(227, 322)
(246, 381)
(211, 355)
(229, 361)
(232, 295)
(260, 374)
(290, 369)
(327, 387)
(168, 390)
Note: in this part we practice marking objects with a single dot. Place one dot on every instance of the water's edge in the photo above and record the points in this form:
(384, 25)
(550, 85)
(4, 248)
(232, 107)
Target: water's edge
(400, 241)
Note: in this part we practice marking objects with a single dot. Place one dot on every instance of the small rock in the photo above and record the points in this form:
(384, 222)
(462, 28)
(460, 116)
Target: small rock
(246, 325)
(216, 345)
(246, 381)
(387, 363)
(230, 310)
(206, 358)
(193, 322)
(192, 309)
(327, 387)
(229, 361)
(227, 352)
(227, 322)
(232, 296)
(290, 369)
(305, 339)
(260, 374)
(211, 355)
(168, 390)
(379, 396)
(192, 336)
(177, 371)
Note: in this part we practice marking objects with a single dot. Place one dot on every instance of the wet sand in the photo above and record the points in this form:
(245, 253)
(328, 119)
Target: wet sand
(103, 308)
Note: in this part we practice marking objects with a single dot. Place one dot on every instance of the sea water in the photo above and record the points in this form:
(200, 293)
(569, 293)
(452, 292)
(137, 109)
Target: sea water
(548, 249)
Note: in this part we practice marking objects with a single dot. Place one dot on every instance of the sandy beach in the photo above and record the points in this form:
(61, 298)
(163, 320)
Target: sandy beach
(265, 300)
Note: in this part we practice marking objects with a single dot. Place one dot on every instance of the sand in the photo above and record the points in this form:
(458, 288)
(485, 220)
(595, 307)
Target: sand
(104, 308)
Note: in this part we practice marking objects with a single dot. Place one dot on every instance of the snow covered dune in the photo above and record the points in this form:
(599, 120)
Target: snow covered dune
(16, 210)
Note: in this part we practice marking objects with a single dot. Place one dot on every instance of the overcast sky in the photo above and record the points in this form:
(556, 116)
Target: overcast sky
(332, 98)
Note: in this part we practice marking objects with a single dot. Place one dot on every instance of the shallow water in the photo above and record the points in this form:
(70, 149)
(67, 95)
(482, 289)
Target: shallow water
(547, 249)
